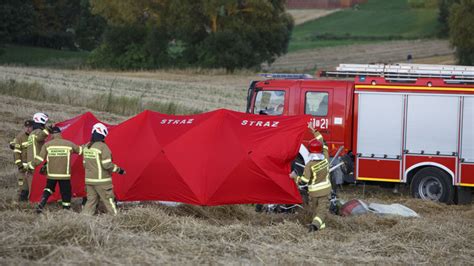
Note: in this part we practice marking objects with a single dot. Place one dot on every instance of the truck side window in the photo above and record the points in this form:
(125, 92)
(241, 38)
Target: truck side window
(316, 103)
(269, 102)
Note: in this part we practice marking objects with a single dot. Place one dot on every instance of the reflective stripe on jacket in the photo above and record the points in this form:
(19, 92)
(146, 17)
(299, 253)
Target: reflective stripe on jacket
(57, 153)
(316, 174)
(20, 144)
(36, 141)
(98, 164)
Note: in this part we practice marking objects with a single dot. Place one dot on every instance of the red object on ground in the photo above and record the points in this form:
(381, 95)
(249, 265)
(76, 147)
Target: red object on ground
(353, 207)
(77, 130)
(215, 158)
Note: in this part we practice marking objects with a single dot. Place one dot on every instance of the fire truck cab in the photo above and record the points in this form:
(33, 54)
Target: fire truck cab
(406, 123)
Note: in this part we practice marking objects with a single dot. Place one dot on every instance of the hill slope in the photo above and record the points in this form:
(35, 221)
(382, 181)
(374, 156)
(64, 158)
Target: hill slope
(376, 20)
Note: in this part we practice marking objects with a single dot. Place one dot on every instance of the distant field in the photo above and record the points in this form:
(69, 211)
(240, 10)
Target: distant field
(301, 16)
(423, 51)
(36, 56)
(375, 21)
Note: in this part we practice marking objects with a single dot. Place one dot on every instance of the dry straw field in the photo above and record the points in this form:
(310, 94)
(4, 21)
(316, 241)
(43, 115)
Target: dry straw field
(151, 233)
(423, 51)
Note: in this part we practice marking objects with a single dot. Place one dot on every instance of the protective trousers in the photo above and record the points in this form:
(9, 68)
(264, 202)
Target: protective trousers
(103, 192)
(24, 185)
(318, 211)
(64, 188)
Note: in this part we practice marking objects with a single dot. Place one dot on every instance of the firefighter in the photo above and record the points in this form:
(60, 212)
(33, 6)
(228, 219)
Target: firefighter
(57, 153)
(316, 175)
(19, 147)
(99, 167)
(36, 139)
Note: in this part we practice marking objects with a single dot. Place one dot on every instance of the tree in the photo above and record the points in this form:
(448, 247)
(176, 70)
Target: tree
(17, 19)
(227, 34)
(89, 28)
(233, 33)
(461, 31)
(134, 38)
(443, 17)
(126, 12)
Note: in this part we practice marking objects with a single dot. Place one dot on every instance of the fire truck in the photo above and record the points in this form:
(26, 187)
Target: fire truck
(402, 123)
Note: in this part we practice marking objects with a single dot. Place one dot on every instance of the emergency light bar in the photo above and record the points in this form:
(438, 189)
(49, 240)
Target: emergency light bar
(285, 76)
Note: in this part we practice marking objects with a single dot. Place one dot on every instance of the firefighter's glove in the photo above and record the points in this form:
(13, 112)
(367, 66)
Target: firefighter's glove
(49, 128)
(121, 171)
(294, 176)
(20, 167)
(43, 169)
(12, 146)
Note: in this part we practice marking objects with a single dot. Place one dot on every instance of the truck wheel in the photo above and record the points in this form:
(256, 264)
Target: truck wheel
(432, 184)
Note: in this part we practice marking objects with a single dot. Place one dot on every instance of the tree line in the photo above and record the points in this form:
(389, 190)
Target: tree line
(57, 24)
(148, 34)
(456, 21)
(145, 34)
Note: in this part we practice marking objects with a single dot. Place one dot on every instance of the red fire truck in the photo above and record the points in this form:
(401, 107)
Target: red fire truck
(404, 123)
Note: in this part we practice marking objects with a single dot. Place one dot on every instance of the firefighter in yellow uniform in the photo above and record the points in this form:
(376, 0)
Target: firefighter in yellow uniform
(316, 175)
(19, 146)
(99, 167)
(57, 153)
(36, 139)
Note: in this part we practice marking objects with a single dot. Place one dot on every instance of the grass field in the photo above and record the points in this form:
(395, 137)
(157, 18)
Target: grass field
(36, 56)
(374, 21)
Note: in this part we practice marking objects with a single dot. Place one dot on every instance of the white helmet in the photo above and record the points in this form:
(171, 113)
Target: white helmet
(40, 118)
(101, 129)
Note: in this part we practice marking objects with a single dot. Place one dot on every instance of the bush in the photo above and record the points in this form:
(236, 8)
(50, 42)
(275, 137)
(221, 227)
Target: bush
(225, 50)
(461, 31)
(130, 47)
(54, 40)
(22, 89)
(423, 3)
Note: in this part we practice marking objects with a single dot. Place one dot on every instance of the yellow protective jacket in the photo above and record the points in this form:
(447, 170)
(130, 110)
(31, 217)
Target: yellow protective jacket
(98, 164)
(316, 173)
(36, 141)
(20, 144)
(57, 153)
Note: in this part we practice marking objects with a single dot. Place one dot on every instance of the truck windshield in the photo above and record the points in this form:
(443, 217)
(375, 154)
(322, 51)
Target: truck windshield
(269, 102)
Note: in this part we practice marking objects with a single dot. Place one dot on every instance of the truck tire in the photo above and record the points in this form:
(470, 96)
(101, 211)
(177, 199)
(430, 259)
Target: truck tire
(431, 183)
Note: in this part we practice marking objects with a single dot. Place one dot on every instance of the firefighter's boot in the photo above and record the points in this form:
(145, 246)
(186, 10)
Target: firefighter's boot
(66, 205)
(312, 228)
(44, 200)
(24, 195)
(83, 203)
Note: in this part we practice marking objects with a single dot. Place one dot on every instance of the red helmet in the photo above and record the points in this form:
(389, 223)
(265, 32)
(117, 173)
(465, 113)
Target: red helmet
(315, 146)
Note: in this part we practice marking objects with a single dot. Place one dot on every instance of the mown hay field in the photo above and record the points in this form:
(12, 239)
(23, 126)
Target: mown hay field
(204, 92)
(151, 233)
